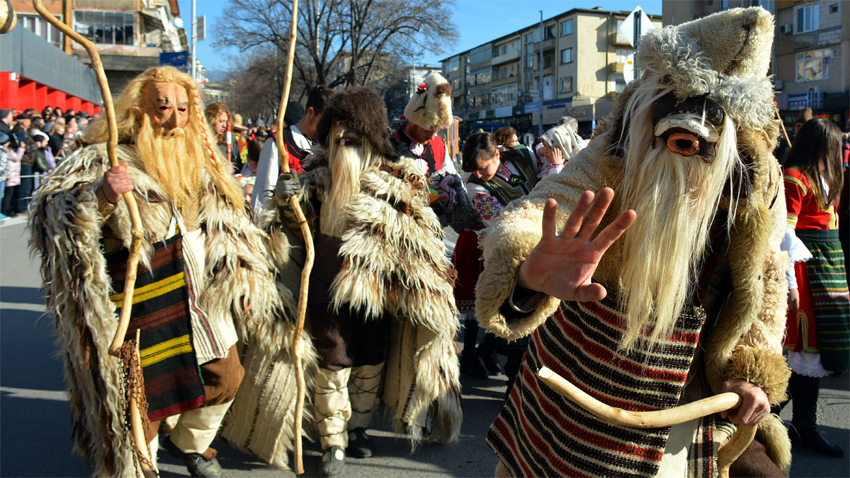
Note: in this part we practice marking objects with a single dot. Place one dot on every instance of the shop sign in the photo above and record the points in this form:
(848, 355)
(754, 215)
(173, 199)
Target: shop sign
(473, 116)
(532, 107)
(799, 101)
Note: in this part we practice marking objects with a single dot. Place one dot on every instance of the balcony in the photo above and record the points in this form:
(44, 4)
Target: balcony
(617, 67)
(498, 60)
(618, 39)
(504, 81)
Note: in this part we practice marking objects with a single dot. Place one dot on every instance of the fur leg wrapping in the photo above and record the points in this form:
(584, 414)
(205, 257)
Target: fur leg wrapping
(196, 429)
(363, 393)
(333, 408)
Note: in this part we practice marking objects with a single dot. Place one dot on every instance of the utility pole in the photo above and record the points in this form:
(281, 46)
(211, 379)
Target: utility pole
(540, 80)
(194, 40)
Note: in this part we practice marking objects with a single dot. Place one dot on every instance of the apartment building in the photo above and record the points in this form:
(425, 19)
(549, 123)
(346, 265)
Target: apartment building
(129, 34)
(811, 52)
(582, 70)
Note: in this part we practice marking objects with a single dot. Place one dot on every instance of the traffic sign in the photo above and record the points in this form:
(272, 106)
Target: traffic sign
(635, 26)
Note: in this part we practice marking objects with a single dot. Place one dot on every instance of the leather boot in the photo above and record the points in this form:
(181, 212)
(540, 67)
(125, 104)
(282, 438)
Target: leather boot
(804, 400)
(333, 411)
(363, 390)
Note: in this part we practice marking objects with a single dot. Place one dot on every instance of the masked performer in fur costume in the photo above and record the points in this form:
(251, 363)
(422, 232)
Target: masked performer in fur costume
(428, 112)
(204, 278)
(689, 303)
(381, 305)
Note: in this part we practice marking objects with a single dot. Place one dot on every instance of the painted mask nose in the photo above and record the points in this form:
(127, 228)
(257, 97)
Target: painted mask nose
(686, 144)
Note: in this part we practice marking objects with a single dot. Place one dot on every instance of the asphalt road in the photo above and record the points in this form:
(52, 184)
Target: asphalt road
(35, 426)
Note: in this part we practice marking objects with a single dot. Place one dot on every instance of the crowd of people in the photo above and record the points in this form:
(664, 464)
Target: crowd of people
(669, 291)
(31, 142)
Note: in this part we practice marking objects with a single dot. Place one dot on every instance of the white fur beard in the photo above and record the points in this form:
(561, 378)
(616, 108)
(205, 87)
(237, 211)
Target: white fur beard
(171, 159)
(676, 199)
(345, 164)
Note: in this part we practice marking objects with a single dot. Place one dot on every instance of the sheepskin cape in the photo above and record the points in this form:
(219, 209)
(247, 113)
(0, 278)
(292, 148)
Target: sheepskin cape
(746, 337)
(395, 262)
(65, 227)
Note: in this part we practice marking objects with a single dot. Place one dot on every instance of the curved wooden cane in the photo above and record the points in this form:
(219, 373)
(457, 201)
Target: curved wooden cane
(308, 245)
(135, 219)
(727, 454)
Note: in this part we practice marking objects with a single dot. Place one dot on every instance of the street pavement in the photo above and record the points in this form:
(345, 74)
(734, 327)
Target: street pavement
(35, 426)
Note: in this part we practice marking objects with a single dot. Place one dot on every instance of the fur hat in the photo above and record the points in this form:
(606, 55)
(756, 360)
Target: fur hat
(365, 113)
(430, 107)
(725, 56)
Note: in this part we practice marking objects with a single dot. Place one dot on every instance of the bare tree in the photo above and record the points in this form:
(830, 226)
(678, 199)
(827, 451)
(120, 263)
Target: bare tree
(341, 42)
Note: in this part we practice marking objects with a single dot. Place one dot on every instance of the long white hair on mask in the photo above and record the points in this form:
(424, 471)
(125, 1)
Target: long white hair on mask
(346, 161)
(676, 199)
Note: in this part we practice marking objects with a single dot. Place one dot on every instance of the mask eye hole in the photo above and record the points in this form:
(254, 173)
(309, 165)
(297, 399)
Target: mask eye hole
(348, 142)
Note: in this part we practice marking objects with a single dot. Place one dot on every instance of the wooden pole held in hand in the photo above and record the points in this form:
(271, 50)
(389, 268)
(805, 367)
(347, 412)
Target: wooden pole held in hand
(727, 454)
(135, 219)
(308, 245)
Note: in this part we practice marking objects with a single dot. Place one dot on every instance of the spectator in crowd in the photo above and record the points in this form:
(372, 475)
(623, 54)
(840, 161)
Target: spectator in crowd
(298, 140)
(573, 124)
(218, 117)
(239, 139)
(57, 139)
(5, 141)
(13, 177)
(6, 120)
(81, 126)
(24, 189)
(506, 137)
(254, 150)
(558, 145)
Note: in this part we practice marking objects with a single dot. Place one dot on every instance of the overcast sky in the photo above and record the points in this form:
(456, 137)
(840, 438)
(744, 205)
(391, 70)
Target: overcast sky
(478, 21)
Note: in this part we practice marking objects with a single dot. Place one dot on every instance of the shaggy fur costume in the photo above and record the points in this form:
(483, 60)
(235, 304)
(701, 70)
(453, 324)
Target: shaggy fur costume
(395, 262)
(745, 341)
(431, 107)
(65, 226)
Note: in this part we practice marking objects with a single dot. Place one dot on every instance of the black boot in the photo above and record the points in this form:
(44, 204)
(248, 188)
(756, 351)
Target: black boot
(487, 354)
(804, 400)
(469, 363)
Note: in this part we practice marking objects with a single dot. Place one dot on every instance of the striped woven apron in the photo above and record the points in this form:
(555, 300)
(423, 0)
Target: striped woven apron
(822, 324)
(173, 383)
(541, 433)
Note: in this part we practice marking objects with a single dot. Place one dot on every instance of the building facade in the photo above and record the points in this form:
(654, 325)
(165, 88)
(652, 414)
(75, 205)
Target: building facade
(811, 52)
(584, 58)
(129, 34)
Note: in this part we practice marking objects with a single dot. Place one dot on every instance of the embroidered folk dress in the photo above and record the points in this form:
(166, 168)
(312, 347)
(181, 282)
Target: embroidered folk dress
(822, 323)
(488, 198)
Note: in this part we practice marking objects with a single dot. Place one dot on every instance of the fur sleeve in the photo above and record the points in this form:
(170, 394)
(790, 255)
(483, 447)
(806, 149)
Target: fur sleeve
(516, 231)
(746, 342)
(64, 228)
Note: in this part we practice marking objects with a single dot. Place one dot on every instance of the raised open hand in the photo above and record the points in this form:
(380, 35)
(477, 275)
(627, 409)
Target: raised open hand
(562, 266)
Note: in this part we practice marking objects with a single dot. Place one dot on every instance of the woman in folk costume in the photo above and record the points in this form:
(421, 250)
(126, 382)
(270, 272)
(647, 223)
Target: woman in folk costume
(690, 302)
(497, 176)
(818, 331)
(558, 145)
(382, 314)
(204, 281)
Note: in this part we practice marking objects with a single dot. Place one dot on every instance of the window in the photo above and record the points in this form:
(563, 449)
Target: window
(567, 27)
(503, 73)
(619, 85)
(482, 53)
(724, 4)
(455, 84)
(529, 38)
(766, 4)
(813, 65)
(566, 56)
(566, 84)
(506, 94)
(105, 27)
(833, 8)
(806, 18)
(40, 27)
(547, 62)
(480, 77)
(452, 65)
(529, 56)
(509, 47)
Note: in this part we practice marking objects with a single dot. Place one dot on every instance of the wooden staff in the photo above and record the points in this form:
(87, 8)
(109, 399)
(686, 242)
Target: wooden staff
(135, 219)
(727, 454)
(308, 245)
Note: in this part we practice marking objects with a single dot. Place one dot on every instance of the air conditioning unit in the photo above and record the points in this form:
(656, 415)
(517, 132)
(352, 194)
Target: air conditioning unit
(786, 29)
